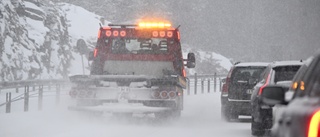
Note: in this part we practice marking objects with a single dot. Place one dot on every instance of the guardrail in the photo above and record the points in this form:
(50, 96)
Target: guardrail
(205, 80)
(193, 81)
(26, 95)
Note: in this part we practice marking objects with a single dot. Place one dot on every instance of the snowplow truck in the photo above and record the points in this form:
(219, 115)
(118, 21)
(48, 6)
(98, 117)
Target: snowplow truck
(134, 69)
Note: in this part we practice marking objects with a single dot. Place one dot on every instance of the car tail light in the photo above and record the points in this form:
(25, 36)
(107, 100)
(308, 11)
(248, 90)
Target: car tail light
(73, 93)
(156, 94)
(313, 130)
(95, 52)
(225, 86)
(89, 93)
(172, 94)
(164, 94)
(264, 85)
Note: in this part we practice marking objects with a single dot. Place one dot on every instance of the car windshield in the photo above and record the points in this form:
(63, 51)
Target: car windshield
(139, 46)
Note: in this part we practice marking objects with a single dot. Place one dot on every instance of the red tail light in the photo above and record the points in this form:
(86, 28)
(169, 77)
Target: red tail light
(184, 73)
(225, 86)
(95, 52)
(313, 130)
(264, 85)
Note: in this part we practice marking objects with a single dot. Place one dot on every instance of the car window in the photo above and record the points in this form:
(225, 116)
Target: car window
(309, 79)
(285, 73)
(243, 74)
(314, 83)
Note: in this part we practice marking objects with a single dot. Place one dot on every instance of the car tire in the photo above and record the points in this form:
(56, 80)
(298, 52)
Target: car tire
(257, 128)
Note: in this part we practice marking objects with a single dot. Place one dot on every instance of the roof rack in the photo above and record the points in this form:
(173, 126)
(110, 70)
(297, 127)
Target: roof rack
(122, 25)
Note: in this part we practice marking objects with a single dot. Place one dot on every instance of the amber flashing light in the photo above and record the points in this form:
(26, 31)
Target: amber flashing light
(302, 87)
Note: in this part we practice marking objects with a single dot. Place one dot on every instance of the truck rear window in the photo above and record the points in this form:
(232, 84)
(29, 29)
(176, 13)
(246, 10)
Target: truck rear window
(139, 46)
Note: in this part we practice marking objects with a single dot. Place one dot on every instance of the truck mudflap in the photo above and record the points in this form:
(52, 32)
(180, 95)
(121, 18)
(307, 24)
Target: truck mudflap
(120, 108)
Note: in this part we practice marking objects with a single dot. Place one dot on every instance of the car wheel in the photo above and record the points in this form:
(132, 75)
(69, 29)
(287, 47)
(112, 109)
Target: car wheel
(257, 128)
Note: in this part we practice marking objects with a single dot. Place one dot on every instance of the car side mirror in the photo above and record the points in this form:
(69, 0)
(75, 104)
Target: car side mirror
(91, 56)
(191, 61)
(272, 95)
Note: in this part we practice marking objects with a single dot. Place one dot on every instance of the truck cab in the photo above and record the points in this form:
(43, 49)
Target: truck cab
(137, 66)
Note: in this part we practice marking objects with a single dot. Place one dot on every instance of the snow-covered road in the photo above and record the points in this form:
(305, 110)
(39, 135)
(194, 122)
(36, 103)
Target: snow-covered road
(200, 118)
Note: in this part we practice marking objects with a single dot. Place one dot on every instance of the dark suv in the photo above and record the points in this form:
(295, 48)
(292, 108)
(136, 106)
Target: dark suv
(237, 90)
(277, 73)
(301, 116)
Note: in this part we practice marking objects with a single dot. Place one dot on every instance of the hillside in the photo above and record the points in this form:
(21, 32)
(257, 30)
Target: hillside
(38, 41)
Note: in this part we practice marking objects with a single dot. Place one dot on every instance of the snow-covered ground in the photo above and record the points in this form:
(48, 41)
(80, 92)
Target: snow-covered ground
(200, 118)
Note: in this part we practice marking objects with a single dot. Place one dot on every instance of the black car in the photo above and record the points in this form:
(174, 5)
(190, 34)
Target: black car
(301, 116)
(236, 92)
(277, 73)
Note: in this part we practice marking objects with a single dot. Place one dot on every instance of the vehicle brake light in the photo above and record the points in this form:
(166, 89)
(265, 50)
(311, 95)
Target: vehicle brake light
(162, 33)
(108, 33)
(184, 73)
(115, 33)
(155, 34)
(169, 34)
(123, 33)
(99, 33)
(313, 130)
(225, 86)
(264, 85)
(178, 33)
(95, 52)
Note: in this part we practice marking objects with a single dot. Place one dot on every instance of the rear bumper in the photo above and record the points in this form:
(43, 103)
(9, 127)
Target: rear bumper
(240, 107)
(120, 108)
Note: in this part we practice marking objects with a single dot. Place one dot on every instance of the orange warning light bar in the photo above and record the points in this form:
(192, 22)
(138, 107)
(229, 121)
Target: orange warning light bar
(154, 25)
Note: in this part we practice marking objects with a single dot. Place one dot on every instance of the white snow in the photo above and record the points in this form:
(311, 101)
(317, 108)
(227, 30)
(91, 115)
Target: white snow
(286, 63)
(36, 30)
(33, 6)
(200, 118)
(83, 24)
(244, 64)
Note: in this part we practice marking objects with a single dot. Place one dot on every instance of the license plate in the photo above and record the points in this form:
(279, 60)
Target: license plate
(249, 91)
